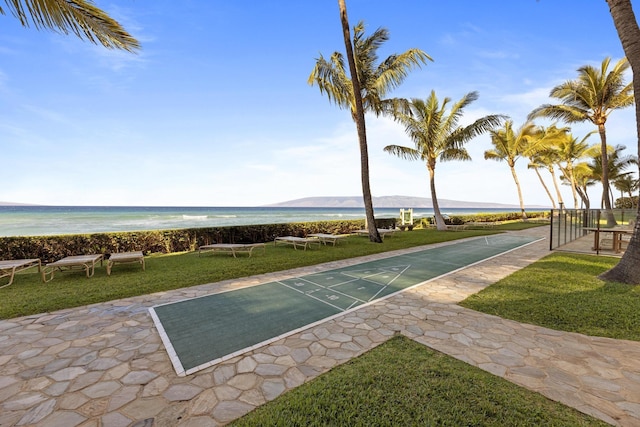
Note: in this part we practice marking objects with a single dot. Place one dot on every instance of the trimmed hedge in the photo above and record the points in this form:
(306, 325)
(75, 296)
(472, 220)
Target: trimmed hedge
(52, 248)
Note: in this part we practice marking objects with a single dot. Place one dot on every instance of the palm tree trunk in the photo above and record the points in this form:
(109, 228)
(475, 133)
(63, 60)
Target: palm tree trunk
(374, 236)
(606, 188)
(515, 178)
(546, 189)
(556, 186)
(628, 269)
(440, 224)
(574, 185)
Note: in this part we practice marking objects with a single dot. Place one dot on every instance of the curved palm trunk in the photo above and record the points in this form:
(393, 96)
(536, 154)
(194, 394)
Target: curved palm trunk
(515, 178)
(546, 189)
(374, 236)
(568, 171)
(584, 197)
(628, 269)
(557, 187)
(440, 224)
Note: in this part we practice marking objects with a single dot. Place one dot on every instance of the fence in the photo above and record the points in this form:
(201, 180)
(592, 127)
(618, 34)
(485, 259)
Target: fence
(568, 225)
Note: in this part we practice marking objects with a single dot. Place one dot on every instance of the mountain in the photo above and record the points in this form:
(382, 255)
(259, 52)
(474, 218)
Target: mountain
(14, 204)
(384, 202)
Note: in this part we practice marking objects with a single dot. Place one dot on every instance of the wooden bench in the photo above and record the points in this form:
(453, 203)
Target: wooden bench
(233, 248)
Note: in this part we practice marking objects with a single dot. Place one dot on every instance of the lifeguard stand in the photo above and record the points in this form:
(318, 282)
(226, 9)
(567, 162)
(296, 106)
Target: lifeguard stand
(406, 216)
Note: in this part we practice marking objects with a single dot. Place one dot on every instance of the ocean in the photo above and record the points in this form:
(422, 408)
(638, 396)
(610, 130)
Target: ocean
(56, 220)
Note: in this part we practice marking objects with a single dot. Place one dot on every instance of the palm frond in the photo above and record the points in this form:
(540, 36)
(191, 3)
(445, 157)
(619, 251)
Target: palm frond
(406, 153)
(79, 17)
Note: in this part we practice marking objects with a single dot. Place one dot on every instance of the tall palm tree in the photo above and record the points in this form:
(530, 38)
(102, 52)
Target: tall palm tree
(592, 97)
(618, 163)
(545, 160)
(510, 145)
(628, 269)
(627, 184)
(582, 175)
(366, 89)
(571, 152)
(546, 157)
(80, 17)
(438, 135)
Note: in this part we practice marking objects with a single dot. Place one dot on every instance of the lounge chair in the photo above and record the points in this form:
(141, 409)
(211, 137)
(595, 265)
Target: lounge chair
(70, 263)
(328, 238)
(296, 242)
(11, 267)
(233, 248)
(381, 231)
(124, 258)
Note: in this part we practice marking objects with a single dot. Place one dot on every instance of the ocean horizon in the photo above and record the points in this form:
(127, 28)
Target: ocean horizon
(30, 220)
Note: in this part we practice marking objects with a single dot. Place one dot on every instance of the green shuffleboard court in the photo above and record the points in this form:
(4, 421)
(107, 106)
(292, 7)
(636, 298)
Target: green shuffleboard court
(201, 332)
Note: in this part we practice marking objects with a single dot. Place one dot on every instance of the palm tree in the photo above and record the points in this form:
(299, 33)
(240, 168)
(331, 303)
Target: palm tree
(582, 175)
(539, 161)
(628, 269)
(571, 152)
(437, 135)
(546, 156)
(592, 97)
(508, 146)
(80, 17)
(627, 184)
(618, 163)
(366, 89)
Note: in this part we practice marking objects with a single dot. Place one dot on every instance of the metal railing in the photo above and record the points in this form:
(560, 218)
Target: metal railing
(568, 225)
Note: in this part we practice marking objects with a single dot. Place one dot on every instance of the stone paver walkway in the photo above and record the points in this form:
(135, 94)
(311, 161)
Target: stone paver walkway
(104, 365)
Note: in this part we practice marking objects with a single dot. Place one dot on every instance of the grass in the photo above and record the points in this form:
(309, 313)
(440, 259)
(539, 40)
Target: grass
(28, 295)
(562, 291)
(399, 382)
(402, 383)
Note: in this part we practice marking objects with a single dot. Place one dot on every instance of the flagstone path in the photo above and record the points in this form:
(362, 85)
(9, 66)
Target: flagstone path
(105, 365)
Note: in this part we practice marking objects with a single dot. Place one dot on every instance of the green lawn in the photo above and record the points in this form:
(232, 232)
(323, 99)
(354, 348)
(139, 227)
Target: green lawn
(403, 383)
(562, 291)
(28, 295)
(399, 382)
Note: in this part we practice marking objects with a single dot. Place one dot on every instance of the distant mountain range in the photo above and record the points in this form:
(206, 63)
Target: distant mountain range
(385, 202)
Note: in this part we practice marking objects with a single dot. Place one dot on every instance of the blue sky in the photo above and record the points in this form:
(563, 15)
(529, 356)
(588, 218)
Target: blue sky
(215, 110)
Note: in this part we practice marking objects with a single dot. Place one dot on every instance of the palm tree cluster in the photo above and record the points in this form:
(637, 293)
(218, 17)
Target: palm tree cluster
(437, 135)
(436, 132)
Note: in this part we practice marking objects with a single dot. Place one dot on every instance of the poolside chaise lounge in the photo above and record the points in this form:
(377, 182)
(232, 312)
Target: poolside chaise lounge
(125, 258)
(296, 242)
(233, 248)
(381, 231)
(11, 267)
(75, 262)
(328, 238)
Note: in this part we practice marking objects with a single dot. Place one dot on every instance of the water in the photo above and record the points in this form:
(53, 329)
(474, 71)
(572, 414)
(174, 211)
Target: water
(56, 220)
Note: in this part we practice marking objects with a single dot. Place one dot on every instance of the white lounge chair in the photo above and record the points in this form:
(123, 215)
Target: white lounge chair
(125, 258)
(233, 248)
(296, 242)
(381, 231)
(75, 262)
(328, 238)
(11, 267)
